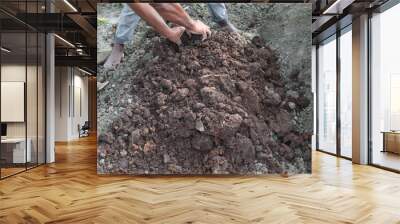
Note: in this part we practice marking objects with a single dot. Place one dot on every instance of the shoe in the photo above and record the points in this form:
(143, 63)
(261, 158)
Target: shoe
(227, 26)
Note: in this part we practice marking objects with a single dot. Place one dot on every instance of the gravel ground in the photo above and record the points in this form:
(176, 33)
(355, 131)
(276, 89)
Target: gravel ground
(282, 28)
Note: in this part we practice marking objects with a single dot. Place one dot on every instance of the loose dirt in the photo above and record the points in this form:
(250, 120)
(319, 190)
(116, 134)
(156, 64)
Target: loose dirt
(217, 107)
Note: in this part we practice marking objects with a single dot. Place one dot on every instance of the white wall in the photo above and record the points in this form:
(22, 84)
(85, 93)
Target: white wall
(70, 83)
(9, 73)
(16, 72)
(61, 103)
(33, 126)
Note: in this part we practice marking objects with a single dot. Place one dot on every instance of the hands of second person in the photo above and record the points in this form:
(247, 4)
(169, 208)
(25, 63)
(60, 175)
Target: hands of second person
(197, 27)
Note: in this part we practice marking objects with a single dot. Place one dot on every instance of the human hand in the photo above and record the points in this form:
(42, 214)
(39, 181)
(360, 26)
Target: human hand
(175, 34)
(200, 28)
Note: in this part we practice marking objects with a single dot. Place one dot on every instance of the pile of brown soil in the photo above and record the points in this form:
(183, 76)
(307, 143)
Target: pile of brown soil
(216, 107)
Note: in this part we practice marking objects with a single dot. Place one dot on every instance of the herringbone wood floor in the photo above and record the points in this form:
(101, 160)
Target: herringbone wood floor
(70, 191)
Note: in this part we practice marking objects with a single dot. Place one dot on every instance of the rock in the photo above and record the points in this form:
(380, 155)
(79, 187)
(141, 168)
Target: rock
(166, 158)
(212, 95)
(199, 126)
(181, 93)
(272, 97)
(149, 147)
(123, 153)
(166, 84)
(135, 136)
(284, 123)
(244, 148)
(292, 105)
(106, 138)
(174, 168)
(263, 155)
(202, 143)
(286, 152)
(161, 99)
(198, 106)
(123, 163)
(190, 83)
(258, 41)
(292, 94)
(237, 99)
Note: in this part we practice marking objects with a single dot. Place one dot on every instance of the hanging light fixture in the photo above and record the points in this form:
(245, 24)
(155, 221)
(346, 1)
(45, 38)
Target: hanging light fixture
(5, 50)
(70, 5)
(64, 40)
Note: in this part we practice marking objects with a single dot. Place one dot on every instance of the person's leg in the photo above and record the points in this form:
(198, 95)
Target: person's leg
(218, 12)
(127, 24)
(220, 16)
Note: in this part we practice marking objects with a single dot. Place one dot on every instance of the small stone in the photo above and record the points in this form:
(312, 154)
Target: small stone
(292, 105)
(181, 94)
(146, 112)
(135, 136)
(123, 153)
(292, 94)
(149, 146)
(166, 84)
(135, 147)
(262, 155)
(202, 143)
(166, 158)
(106, 138)
(198, 106)
(212, 94)
(259, 148)
(123, 163)
(199, 126)
(174, 168)
(190, 83)
(237, 99)
(161, 99)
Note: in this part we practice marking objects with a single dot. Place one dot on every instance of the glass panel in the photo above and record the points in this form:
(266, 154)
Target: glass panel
(386, 89)
(327, 96)
(31, 98)
(314, 84)
(13, 89)
(23, 89)
(346, 94)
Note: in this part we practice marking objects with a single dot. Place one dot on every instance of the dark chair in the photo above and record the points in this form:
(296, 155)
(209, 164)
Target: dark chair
(84, 130)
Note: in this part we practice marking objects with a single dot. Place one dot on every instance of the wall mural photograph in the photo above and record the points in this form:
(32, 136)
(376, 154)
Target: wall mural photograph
(205, 88)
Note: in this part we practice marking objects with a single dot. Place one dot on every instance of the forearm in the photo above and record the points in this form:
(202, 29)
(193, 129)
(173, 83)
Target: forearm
(173, 12)
(152, 17)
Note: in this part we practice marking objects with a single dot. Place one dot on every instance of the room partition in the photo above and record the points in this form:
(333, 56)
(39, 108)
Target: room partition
(22, 77)
(334, 93)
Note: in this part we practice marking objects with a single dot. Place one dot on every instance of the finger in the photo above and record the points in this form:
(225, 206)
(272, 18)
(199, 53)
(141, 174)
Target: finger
(208, 33)
(181, 31)
(204, 36)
